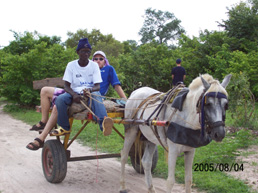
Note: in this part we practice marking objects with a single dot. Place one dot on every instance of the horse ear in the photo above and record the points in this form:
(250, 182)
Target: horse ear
(226, 80)
(205, 83)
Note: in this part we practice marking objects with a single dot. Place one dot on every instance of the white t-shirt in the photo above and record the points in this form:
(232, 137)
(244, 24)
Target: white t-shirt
(82, 77)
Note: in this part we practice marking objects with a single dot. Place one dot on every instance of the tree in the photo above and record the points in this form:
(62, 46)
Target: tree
(38, 60)
(28, 40)
(242, 25)
(129, 46)
(149, 65)
(161, 26)
(94, 36)
(98, 41)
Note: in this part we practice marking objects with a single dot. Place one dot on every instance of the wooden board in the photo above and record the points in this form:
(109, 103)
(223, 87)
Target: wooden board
(54, 82)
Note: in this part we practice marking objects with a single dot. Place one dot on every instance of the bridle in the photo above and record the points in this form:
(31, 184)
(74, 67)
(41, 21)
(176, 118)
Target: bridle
(200, 109)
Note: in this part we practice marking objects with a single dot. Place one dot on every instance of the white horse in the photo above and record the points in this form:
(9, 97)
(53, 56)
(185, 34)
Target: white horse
(213, 114)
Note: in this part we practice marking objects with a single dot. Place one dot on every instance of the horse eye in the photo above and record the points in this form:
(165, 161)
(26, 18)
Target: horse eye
(207, 104)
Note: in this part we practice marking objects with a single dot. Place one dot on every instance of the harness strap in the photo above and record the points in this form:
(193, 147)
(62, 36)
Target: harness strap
(171, 93)
(142, 103)
(155, 131)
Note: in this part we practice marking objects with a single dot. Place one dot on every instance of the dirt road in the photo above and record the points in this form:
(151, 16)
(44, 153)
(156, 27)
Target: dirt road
(21, 170)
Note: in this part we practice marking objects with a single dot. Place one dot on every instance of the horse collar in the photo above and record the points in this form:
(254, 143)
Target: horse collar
(203, 102)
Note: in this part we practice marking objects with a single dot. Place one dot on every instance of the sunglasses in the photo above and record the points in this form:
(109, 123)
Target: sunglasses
(98, 59)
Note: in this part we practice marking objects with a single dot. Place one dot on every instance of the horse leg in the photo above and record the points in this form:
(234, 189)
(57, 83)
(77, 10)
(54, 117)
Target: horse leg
(172, 157)
(130, 136)
(147, 164)
(189, 156)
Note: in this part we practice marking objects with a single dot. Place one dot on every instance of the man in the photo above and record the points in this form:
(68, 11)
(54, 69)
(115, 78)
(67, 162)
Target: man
(49, 93)
(79, 75)
(178, 73)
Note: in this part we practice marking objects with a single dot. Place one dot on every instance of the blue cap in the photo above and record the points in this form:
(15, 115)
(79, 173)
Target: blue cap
(83, 43)
(178, 61)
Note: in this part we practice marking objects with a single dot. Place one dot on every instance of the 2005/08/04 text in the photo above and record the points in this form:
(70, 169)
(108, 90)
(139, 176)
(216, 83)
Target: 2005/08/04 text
(213, 167)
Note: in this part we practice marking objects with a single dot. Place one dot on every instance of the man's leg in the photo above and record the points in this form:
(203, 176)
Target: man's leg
(100, 111)
(62, 102)
(98, 107)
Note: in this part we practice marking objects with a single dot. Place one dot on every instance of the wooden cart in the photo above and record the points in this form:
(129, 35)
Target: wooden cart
(56, 153)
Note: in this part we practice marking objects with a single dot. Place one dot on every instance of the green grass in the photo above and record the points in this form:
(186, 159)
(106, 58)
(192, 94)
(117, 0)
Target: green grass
(241, 121)
(214, 153)
(93, 137)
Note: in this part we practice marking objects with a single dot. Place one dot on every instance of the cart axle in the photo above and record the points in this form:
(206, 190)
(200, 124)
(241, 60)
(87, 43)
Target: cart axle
(103, 156)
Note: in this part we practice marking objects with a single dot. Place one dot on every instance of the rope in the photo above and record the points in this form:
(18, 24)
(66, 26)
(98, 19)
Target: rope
(89, 109)
(97, 156)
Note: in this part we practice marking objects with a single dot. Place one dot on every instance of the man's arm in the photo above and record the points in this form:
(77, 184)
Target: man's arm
(172, 76)
(184, 77)
(120, 91)
(96, 87)
(68, 89)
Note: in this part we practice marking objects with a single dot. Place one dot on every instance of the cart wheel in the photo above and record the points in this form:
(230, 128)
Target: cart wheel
(136, 162)
(54, 161)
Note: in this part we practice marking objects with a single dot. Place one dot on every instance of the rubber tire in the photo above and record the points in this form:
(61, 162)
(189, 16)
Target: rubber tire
(54, 161)
(136, 162)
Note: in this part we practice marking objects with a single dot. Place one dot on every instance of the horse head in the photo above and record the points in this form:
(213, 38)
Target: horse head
(213, 108)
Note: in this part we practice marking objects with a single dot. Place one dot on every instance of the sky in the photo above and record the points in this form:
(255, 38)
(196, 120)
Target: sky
(123, 19)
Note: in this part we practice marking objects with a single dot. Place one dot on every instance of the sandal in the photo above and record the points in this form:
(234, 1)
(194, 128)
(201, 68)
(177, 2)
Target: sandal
(34, 146)
(107, 125)
(60, 131)
(36, 128)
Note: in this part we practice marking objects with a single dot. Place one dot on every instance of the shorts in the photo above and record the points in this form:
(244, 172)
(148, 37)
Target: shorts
(57, 92)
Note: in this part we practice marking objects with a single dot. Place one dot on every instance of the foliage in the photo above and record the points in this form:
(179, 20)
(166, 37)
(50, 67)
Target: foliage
(242, 23)
(23, 43)
(242, 101)
(149, 65)
(110, 47)
(129, 46)
(98, 41)
(160, 26)
(93, 37)
(19, 71)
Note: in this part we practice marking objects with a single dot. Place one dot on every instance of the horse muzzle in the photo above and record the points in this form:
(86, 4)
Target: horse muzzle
(216, 130)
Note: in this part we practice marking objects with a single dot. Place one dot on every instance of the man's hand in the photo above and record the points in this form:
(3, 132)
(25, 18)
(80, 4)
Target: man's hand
(76, 98)
(86, 92)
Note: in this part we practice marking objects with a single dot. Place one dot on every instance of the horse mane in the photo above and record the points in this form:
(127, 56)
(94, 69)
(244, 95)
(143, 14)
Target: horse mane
(215, 84)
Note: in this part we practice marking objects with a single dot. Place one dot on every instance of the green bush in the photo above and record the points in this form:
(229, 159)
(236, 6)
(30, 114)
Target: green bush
(19, 71)
(241, 101)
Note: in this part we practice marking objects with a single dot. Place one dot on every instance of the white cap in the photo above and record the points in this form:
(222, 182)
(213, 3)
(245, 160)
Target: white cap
(101, 53)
